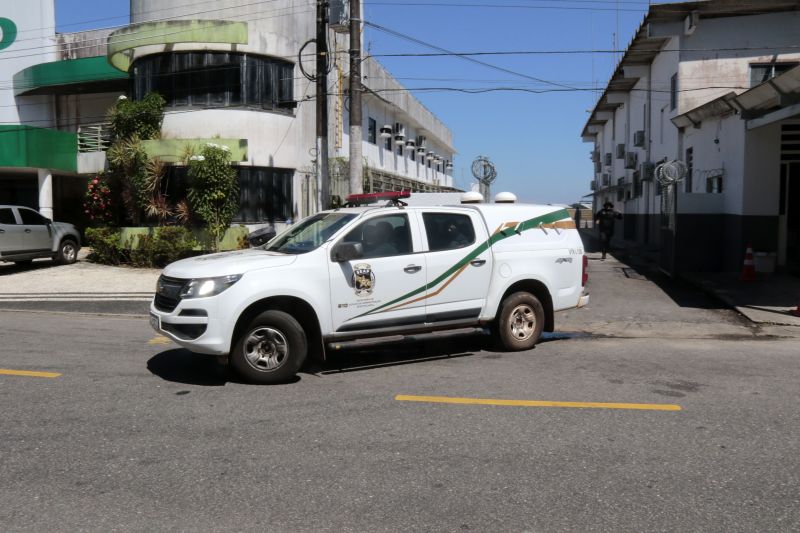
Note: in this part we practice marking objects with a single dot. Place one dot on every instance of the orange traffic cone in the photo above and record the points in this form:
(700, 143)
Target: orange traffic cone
(749, 267)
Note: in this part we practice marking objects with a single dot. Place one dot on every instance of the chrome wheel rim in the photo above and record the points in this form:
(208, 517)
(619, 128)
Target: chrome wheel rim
(69, 252)
(523, 322)
(266, 349)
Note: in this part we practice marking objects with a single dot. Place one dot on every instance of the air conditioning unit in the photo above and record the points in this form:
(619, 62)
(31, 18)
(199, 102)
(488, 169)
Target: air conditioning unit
(596, 156)
(631, 160)
(620, 151)
(608, 161)
(647, 171)
(339, 16)
(638, 139)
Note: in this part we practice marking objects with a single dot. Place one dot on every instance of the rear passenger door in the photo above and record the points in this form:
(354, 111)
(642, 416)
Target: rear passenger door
(459, 264)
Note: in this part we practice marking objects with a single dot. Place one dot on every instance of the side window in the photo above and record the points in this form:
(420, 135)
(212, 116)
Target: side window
(7, 216)
(32, 218)
(383, 236)
(448, 231)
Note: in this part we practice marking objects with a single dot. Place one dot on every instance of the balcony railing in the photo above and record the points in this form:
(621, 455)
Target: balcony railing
(94, 137)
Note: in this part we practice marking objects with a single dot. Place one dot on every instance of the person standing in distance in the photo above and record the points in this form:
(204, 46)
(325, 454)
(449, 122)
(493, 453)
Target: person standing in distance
(605, 223)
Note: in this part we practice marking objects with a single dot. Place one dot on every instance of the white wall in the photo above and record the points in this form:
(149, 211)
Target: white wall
(35, 21)
(707, 72)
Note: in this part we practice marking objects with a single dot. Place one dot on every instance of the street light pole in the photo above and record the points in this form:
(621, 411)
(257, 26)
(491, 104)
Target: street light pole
(356, 162)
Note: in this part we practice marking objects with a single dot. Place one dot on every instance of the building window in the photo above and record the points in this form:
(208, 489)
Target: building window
(413, 155)
(400, 149)
(689, 170)
(673, 92)
(265, 193)
(388, 143)
(372, 131)
(761, 72)
(714, 184)
(216, 79)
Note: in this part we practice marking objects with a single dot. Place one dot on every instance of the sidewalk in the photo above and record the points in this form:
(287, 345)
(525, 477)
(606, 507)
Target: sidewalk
(768, 300)
(46, 280)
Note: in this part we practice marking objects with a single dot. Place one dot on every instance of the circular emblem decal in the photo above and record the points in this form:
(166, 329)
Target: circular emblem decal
(8, 32)
(363, 279)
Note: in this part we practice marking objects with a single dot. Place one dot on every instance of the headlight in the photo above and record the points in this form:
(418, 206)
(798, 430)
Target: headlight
(200, 288)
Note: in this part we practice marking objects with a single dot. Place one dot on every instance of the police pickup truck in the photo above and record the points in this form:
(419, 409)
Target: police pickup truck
(361, 272)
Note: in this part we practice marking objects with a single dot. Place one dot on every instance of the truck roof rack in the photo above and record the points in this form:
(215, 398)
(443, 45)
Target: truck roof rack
(393, 197)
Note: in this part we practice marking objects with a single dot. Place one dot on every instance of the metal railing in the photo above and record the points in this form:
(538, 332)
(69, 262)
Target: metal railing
(94, 137)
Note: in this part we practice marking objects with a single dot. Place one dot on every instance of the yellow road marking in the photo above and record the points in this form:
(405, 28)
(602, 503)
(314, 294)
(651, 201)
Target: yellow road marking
(28, 373)
(539, 403)
(159, 339)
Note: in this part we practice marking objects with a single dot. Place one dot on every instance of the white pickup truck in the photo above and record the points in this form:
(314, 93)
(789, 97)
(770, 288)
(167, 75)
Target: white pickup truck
(362, 272)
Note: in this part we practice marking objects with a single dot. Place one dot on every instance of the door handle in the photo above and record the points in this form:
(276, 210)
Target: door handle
(477, 262)
(27, 230)
(411, 269)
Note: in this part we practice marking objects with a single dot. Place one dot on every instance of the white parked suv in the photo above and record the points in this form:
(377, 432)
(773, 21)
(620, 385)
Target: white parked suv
(362, 272)
(26, 235)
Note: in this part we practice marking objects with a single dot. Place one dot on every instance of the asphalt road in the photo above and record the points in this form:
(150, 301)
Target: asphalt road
(136, 434)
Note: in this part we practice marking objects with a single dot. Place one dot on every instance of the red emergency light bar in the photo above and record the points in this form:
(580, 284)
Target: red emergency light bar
(369, 198)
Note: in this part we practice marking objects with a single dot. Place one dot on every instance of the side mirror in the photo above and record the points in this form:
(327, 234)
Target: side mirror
(347, 251)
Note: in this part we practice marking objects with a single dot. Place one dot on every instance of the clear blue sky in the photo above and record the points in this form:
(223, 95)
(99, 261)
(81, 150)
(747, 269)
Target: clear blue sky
(534, 139)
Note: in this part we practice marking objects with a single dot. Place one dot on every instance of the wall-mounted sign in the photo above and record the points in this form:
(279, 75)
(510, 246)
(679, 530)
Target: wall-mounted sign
(8, 32)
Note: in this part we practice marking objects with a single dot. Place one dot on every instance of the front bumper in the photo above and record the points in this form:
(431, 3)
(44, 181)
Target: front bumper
(189, 326)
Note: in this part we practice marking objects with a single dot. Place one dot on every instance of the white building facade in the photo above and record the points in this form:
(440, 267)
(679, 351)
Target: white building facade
(675, 96)
(229, 73)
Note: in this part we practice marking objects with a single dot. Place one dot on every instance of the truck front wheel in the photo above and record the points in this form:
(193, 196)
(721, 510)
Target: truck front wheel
(271, 348)
(520, 321)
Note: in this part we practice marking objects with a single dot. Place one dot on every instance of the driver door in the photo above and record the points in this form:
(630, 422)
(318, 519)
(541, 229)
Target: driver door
(384, 288)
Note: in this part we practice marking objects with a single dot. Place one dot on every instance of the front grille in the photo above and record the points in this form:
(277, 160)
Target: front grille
(168, 293)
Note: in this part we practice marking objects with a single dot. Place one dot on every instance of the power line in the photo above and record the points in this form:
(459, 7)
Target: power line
(465, 57)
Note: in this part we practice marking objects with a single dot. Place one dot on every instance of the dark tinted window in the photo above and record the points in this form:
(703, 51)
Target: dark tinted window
(383, 236)
(32, 217)
(265, 193)
(7, 216)
(372, 131)
(215, 79)
(448, 231)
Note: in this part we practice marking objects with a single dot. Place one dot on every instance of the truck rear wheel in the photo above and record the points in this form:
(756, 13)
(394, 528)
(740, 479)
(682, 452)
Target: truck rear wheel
(520, 321)
(271, 349)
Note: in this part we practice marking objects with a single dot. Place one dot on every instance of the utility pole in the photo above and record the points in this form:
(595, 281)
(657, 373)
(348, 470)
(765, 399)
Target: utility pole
(356, 162)
(323, 178)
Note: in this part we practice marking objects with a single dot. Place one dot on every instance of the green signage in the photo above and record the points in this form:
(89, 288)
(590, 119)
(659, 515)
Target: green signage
(8, 32)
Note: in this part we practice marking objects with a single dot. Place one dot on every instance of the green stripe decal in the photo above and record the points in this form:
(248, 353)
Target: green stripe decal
(499, 236)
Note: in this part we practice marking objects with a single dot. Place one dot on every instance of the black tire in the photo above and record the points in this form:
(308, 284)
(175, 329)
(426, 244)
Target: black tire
(67, 252)
(271, 349)
(519, 322)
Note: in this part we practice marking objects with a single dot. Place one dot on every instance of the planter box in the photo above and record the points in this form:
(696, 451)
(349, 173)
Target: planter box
(129, 237)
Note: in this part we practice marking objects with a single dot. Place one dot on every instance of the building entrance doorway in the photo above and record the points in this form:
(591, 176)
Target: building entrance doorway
(790, 215)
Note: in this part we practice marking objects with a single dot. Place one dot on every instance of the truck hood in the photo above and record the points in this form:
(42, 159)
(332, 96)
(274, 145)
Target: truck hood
(227, 263)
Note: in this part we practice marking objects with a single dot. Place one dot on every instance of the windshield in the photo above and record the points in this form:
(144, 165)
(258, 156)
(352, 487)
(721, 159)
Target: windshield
(309, 234)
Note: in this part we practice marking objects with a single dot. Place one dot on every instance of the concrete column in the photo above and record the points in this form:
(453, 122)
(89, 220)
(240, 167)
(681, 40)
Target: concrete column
(45, 193)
